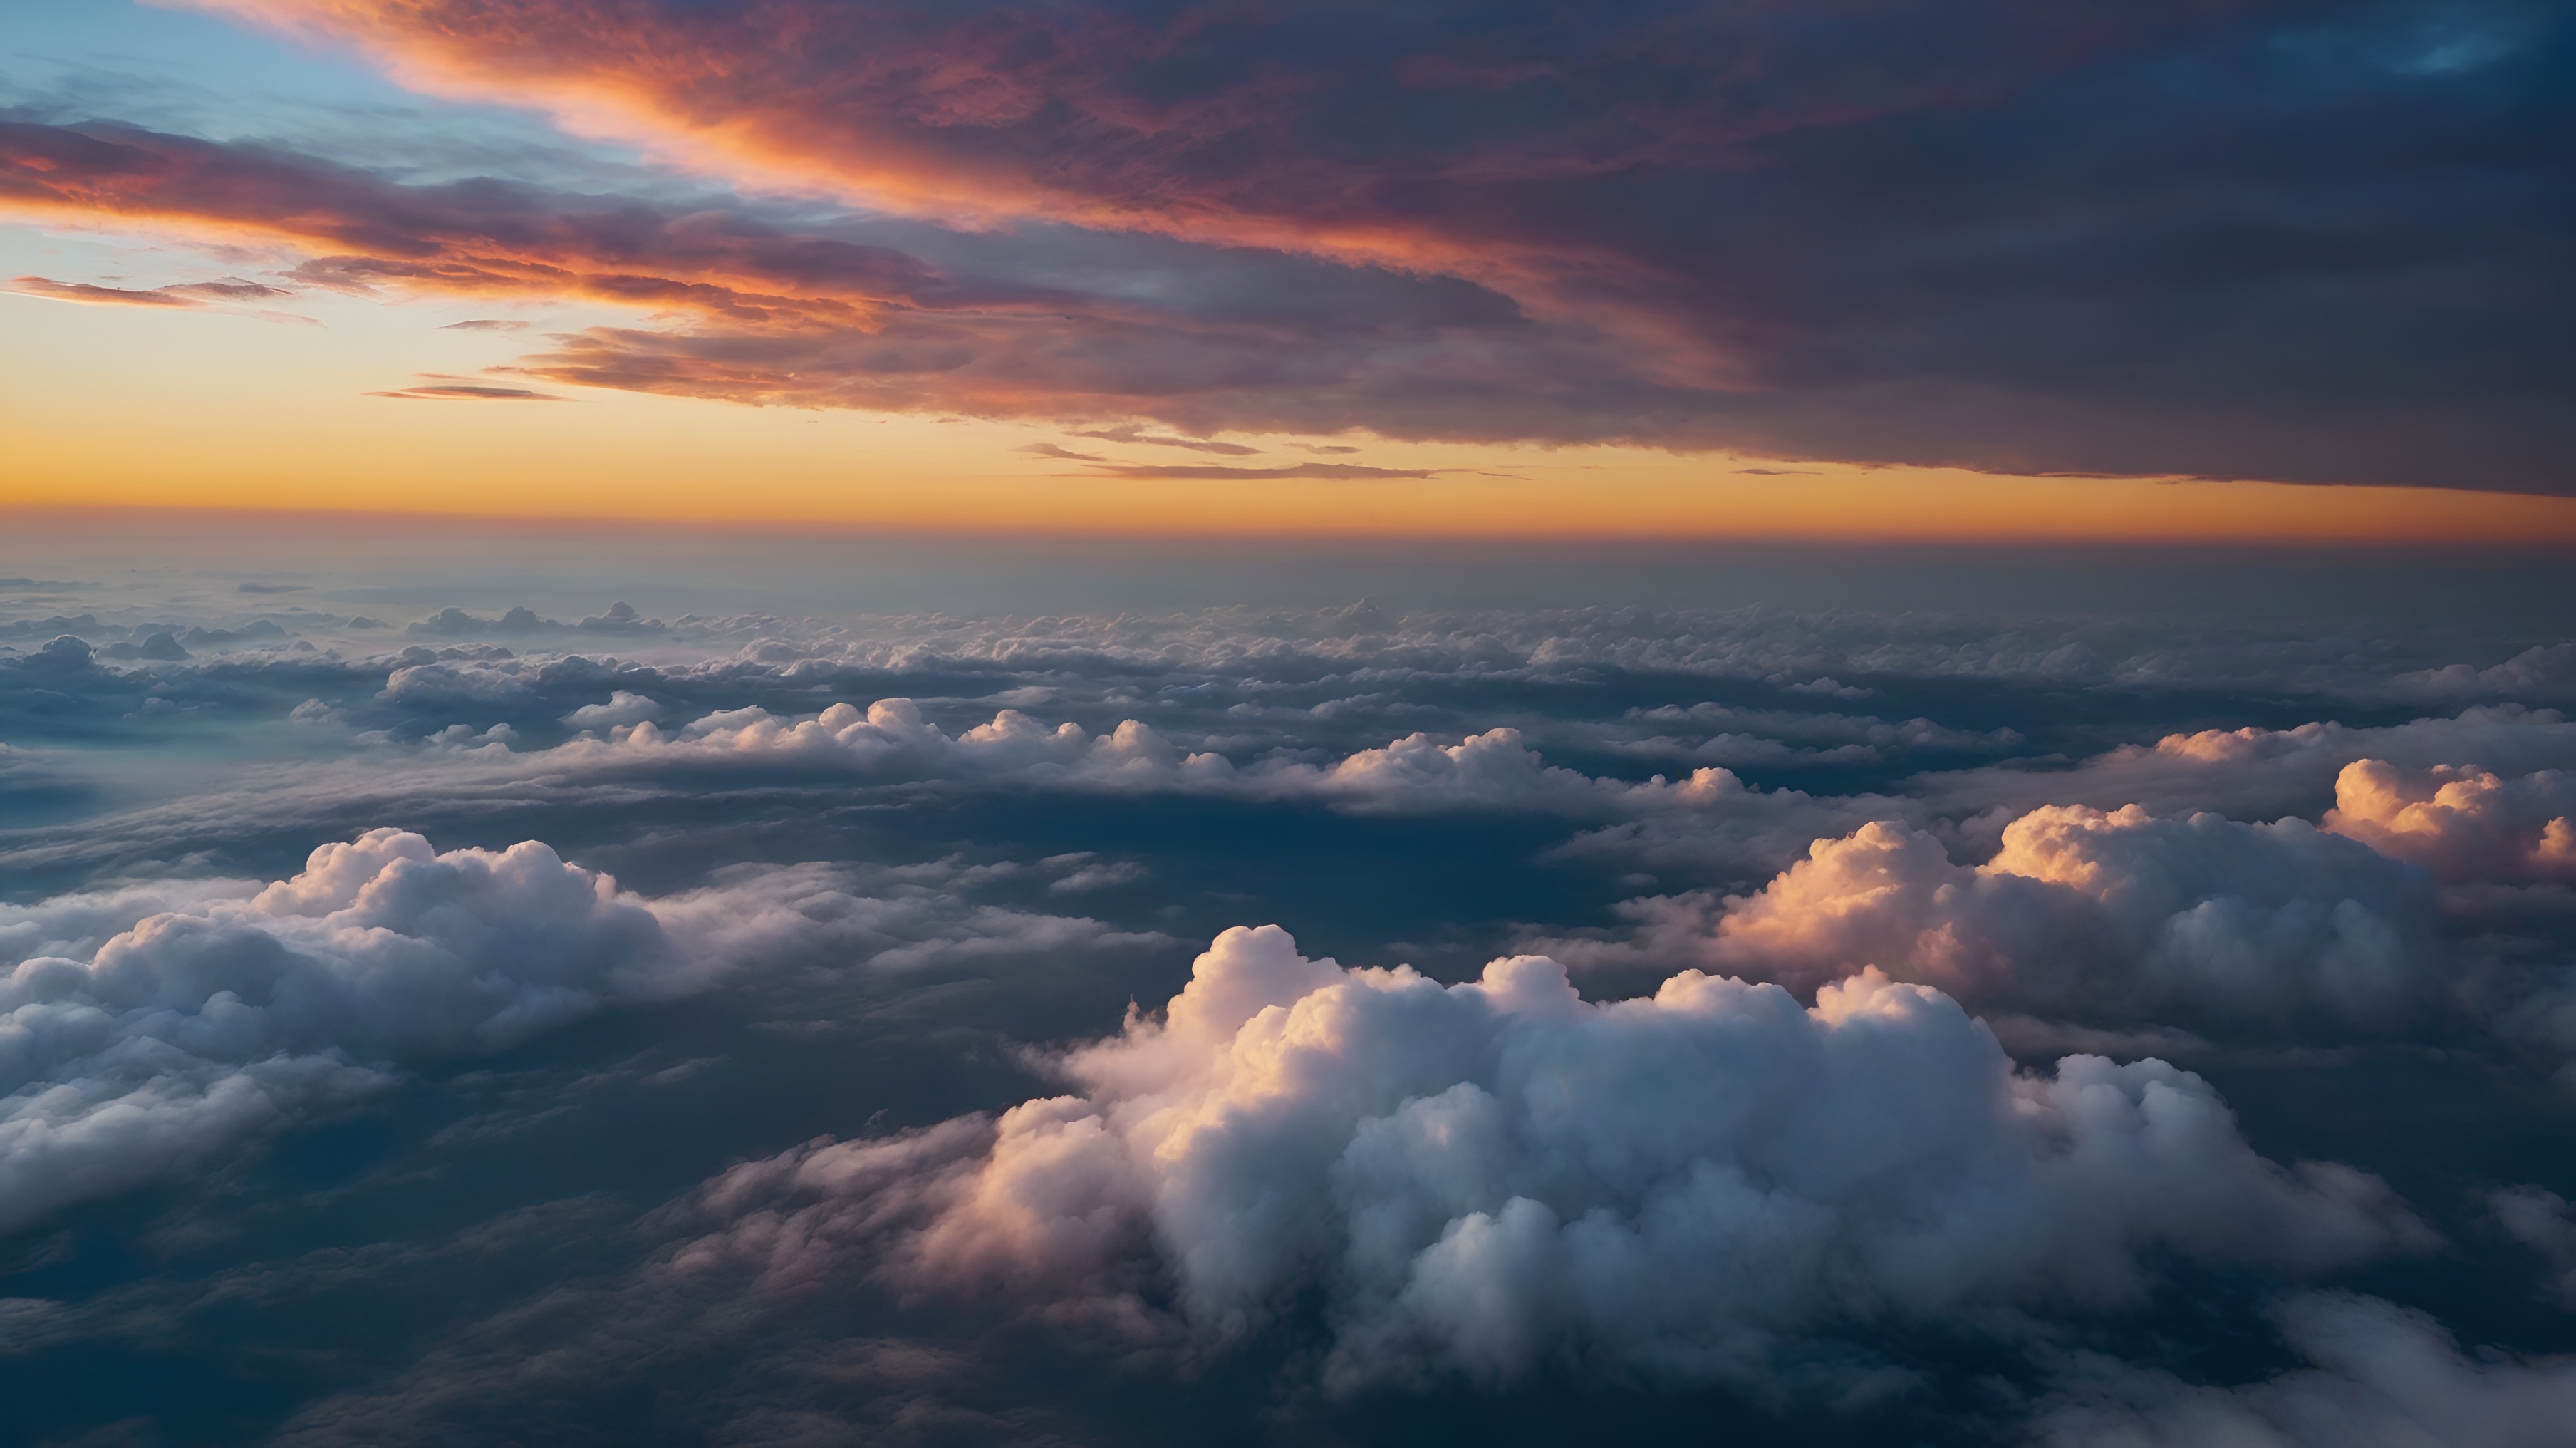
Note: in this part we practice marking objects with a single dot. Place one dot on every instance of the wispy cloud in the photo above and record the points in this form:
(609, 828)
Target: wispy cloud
(1333, 471)
(91, 295)
(1138, 435)
(469, 392)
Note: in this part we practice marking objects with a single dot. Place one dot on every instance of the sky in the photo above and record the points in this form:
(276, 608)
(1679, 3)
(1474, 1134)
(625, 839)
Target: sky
(1744, 270)
(814, 722)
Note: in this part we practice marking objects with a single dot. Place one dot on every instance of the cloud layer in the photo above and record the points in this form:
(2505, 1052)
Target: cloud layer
(2263, 239)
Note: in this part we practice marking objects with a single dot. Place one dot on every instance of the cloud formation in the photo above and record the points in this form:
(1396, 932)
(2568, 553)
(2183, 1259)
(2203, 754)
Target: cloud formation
(1700, 196)
(2461, 822)
(2117, 916)
(2381, 1375)
(890, 738)
(469, 392)
(148, 1028)
(102, 296)
(1491, 1176)
(235, 1011)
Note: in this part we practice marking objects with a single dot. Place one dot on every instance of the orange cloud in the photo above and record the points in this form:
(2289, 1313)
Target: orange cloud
(90, 295)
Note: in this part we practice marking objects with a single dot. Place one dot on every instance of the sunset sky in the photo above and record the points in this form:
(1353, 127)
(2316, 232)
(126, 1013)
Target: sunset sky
(1300, 723)
(1469, 269)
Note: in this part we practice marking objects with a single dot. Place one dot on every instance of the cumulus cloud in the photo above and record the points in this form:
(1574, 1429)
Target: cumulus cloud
(2258, 773)
(1491, 1176)
(2383, 1377)
(2540, 669)
(623, 707)
(230, 1010)
(2461, 822)
(147, 1027)
(2116, 913)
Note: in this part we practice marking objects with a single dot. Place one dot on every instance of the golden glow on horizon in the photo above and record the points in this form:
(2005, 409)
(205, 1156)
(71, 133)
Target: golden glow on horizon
(150, 407)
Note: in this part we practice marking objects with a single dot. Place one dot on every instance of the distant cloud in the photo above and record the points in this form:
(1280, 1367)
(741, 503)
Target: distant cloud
(471, 392)
(271, 587)
(230, 290)
(1050, 450)
(485, 324)
(96, 295)
(1332, 471)
(1194, 444)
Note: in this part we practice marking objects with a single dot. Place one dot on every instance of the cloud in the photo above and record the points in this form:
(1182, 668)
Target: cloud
(1050, 450)
(2461, 823)
(470, 392)
(485, 324)
(2117, 916)
(2541, 1220)
(234, 1010)
(1489, 1176)
(231, 290)
(1331, 471)
(2381, 1375)
(1133, 434)
(2255, 772)
(104, 296)
(1719, 231)
(622, 708)
(890, 738)
(2542, 668)
(146, 1029)
(486, 237)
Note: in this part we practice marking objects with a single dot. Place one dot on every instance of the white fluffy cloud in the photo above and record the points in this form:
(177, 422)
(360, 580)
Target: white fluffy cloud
(145, 1028)
(140, 1030)
(1495, 1175)
(623, 707)
(2114, 914)
(2254, 773)
(2461, 822)
(2383, 1377)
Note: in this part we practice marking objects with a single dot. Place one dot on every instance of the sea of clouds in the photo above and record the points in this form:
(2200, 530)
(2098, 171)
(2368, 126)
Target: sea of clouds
(1323, 1023)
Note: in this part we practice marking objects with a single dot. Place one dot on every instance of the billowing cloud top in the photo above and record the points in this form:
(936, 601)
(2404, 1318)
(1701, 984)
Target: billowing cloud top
(1486, 1174)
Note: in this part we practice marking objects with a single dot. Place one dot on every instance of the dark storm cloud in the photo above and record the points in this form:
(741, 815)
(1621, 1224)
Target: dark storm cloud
(2283, 238)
